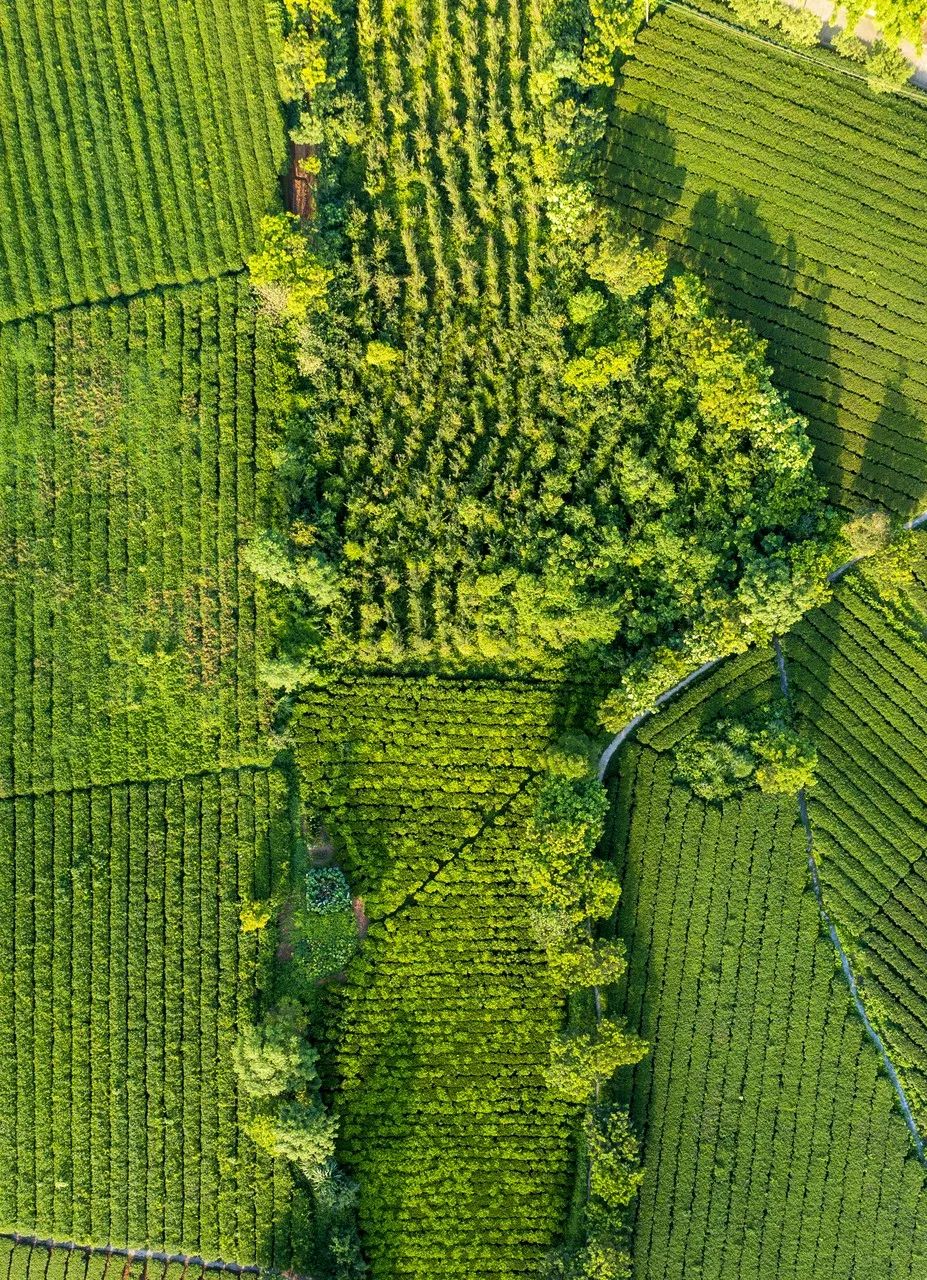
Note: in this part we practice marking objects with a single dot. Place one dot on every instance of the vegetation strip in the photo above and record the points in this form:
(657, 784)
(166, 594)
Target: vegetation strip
(838, 946)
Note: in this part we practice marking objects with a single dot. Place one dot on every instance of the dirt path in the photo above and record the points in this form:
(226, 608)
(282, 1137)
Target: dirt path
(145, 1255)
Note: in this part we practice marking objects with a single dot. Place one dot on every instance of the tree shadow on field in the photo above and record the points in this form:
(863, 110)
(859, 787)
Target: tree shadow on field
(762, 281)
(641, 174)
(895, 453)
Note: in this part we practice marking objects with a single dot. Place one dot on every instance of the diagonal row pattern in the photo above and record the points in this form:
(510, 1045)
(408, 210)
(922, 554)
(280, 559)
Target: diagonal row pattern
(444, 1025)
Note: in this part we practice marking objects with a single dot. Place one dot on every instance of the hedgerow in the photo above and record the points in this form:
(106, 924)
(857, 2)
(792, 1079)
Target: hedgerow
(141, 146)
(760, 1088)
(792, 138)
(896, 22)
(22, 1261)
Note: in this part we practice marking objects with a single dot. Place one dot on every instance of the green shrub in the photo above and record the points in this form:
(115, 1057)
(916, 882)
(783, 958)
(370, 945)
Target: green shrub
(887, 67)
(716, 767)
(274, 1059)
(286, 272)
(327, 891)
(303, 1133)
(579, 1059)
(729, 756)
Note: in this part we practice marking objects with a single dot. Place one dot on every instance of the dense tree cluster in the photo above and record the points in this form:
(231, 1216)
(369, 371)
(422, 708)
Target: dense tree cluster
(516, 439)
(764, 751)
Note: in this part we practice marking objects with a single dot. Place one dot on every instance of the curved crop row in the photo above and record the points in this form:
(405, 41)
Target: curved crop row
(770, 1138)
(858, 670)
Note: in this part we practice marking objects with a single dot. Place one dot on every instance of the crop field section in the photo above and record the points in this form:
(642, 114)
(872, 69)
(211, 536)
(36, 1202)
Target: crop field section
(445, 1022)
(124, 978)
(802, 196)
(772, 1141)
(139, 145)
(859, 672)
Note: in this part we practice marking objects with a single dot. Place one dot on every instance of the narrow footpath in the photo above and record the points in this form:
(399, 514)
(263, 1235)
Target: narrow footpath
(132, 1255)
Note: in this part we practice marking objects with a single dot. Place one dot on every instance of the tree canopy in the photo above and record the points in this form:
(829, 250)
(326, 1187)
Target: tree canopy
(516, 439)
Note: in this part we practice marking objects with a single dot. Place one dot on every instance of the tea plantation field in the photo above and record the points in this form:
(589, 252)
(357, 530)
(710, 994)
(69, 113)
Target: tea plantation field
(169, 786)
(444, 1026)
(772, 1141)
(858, 670)
(801, 195)
(123, 980)
(134, 444)
(139, 146)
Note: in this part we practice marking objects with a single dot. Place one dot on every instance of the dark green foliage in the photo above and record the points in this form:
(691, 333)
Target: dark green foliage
(141, 146)
(575, 891)
(765, 751)
(566, 823)
(512, 443)
(613, 1172)
(327, 891)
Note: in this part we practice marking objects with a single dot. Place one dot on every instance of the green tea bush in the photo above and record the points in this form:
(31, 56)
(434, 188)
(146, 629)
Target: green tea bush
(858, 674)
(754, 1039)
(148, 152)
(173, 861)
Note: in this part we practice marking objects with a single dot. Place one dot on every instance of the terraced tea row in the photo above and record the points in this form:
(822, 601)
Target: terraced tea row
(858, 671)
(133, 454)
(124, 978)
(799, 192)
(772, 1145)
(139, 145)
